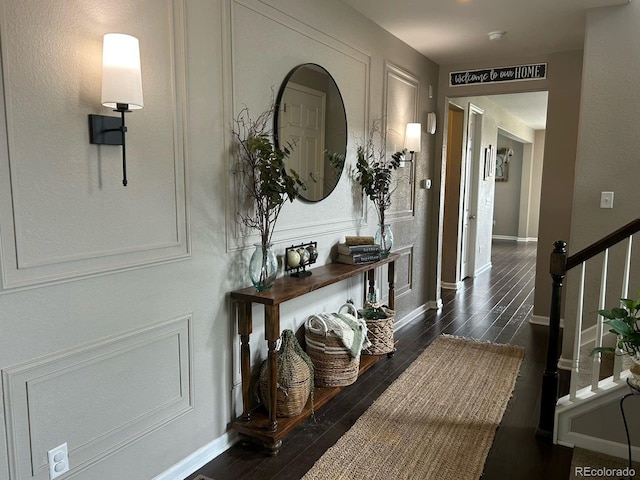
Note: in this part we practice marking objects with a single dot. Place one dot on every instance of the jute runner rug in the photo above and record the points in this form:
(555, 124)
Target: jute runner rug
(436, 421)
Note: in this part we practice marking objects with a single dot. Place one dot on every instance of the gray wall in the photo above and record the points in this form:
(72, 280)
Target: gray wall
(506, 213)
(114, 310)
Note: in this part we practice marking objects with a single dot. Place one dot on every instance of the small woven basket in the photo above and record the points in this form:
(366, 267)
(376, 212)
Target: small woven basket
(380, 330)
(333, 364)
(294, 378)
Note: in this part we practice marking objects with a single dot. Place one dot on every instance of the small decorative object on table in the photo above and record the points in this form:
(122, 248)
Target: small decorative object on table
(357, 254)
(380, 319)
(357, 249)
(358, 240)
(299, 257)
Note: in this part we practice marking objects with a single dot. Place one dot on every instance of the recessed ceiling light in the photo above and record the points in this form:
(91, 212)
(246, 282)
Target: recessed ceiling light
(497, 35)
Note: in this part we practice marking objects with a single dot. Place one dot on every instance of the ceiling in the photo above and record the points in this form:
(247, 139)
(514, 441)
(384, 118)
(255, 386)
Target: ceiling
(452, 32)
(530, 108)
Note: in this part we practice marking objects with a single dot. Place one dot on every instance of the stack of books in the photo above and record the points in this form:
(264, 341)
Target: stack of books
(355, 254)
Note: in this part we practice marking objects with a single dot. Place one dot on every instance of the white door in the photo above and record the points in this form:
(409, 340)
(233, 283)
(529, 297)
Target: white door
(303, 113)
(468, 214)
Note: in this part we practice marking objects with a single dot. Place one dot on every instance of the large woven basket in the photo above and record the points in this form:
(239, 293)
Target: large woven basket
(332, 362)
(380, 333)
(294, 388)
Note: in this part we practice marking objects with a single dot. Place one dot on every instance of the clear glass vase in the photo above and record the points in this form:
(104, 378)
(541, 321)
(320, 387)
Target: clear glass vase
(263, 267)
(384, 238)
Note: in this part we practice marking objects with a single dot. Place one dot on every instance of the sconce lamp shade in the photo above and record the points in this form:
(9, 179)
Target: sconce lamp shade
(412, 137)
(121, 75)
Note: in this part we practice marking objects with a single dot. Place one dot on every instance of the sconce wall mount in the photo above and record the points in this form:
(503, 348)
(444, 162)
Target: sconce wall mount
(121, 90)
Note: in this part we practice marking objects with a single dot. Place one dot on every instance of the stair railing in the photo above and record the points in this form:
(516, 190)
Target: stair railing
(559, 266)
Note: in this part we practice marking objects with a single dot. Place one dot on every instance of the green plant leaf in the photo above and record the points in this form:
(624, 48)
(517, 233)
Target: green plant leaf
(602, 350)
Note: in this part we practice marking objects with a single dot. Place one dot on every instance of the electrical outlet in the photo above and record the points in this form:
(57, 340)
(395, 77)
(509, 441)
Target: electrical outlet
(58, 461)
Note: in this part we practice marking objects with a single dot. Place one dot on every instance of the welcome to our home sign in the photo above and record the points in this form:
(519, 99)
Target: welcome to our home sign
(517, 73)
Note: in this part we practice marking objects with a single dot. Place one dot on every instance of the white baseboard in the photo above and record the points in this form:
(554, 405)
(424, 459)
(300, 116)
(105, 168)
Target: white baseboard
(508, 238)
(565, 364)
(483, 269)
(404, 321)
(434, 304)
(513, 238)
(199, 458)
(451, 286)
(540, 320)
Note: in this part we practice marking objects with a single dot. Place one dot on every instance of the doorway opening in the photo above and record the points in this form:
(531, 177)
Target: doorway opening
(494, 151)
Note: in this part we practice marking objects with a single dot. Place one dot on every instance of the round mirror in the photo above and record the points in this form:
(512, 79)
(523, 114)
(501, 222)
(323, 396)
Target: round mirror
(311, 119)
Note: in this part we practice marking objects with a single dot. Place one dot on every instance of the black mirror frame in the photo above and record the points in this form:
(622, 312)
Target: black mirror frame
(276, 118)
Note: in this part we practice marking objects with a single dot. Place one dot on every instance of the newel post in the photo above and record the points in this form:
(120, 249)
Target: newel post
(558, 269)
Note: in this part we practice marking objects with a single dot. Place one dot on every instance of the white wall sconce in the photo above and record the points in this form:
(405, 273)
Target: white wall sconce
(431, 123)
(412, 140)
(121, 90)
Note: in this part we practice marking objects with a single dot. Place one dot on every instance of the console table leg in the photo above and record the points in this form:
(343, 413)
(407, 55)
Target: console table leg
(272, 334)
(273, 448)
(244, 329)
(371, 277)
(391, 275)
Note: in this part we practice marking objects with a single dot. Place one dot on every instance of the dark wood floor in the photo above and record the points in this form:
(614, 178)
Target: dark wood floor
(496, 306)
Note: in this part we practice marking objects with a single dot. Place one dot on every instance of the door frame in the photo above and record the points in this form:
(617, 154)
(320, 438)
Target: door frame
(469, 179)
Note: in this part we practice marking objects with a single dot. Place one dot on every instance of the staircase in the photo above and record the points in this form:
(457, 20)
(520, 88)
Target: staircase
(597, 384)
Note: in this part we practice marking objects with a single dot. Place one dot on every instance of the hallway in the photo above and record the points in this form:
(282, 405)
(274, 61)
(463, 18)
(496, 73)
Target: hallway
(494, 307)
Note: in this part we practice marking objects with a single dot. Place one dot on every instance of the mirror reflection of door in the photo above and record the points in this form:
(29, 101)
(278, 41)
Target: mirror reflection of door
(315, 120)
(303, 126)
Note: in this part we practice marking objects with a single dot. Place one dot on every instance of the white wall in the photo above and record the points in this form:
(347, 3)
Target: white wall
(113, 308)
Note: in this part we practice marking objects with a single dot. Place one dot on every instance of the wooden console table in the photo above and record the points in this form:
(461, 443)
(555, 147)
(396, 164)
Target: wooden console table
(264, 425)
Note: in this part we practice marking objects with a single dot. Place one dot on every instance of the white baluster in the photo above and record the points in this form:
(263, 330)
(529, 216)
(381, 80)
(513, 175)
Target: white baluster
(577, 341)
(617, 361)
(597, 358)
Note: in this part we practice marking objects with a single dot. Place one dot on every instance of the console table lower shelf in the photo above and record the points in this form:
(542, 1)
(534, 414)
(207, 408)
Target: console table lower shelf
(258, 426)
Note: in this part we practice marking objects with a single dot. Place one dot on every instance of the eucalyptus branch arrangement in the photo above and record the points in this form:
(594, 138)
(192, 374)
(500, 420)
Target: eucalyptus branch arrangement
(374, 170)
(261, 166)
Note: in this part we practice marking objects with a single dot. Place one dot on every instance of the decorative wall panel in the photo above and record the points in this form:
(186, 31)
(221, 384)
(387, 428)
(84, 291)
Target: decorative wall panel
(63, 210)
(256, 78)
(400, 107)
(97, 398)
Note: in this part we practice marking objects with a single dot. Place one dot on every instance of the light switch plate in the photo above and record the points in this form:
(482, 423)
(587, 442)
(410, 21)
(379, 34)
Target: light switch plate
(606, 199)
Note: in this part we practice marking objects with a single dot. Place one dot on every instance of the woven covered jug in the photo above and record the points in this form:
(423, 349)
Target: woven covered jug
(295, 378)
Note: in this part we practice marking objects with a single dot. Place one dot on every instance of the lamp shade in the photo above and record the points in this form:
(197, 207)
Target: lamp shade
(412, 137)
(121, 75)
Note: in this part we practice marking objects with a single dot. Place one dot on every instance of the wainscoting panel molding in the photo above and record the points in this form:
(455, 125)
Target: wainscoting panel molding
(98, 398)
(401, 106)
(347, 64)
(64, 212)
(404, 271)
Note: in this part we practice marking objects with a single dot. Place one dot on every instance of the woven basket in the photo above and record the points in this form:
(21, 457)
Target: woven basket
(380, 333)
(333, 364)
(294, 388)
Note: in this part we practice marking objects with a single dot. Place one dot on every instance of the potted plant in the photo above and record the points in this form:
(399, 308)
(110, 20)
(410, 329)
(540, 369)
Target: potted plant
(623, 321)
(374, 173)
(267, 185)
